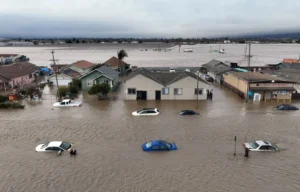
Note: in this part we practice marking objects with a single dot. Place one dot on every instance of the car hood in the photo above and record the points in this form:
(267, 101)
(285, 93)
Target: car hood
(174, 146)
(247, 145)
(39, 148)
(134, 113)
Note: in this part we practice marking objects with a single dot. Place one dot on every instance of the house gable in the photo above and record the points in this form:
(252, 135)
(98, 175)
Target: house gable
(141, 82)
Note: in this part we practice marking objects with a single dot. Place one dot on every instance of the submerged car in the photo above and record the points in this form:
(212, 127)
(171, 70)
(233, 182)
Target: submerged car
(260, 145)
(286, 107)
(159, 145)
(54, 146)
(188, 112)
(68, 103)
(207, 78)
(146, 112)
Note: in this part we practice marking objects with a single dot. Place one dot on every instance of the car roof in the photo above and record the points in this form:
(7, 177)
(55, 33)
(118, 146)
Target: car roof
(187, 110)
(261, 142)
(55, 143)
(149, 109)
(155, 142)
(66, 100)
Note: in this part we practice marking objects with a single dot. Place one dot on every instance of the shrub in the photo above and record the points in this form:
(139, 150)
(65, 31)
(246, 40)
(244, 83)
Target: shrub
(3, 98)
(103, 88)
(63, 90)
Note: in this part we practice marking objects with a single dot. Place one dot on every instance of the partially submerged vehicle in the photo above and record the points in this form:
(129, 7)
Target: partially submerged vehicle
(54, 146)
(146, 112)
(260, 145)
(286, 107)
(188, 112)
(68, 103)
(159, 145)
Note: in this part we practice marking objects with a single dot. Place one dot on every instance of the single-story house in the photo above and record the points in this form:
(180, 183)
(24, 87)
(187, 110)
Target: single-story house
(215, 69)
(103, 74)
(62, 79)
(115, 63)
(18, 74)
(269, 87)
(144, 84)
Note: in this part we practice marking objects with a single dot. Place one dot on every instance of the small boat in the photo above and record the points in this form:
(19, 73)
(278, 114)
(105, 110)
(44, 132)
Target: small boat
(188, 50)
(67, 103)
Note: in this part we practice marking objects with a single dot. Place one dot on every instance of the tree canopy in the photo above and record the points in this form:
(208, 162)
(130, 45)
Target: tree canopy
(103, 88)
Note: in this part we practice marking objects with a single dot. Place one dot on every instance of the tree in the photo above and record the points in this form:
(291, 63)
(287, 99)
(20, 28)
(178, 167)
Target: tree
(103, 88)
(121, 55)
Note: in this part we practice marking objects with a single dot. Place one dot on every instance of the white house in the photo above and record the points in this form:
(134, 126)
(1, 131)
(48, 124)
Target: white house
(144, 84)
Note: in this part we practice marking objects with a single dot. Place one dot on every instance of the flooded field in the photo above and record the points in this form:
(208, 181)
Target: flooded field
(108, 140)
(262, 53)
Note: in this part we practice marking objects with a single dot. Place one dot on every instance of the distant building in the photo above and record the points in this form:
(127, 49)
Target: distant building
(291, 61)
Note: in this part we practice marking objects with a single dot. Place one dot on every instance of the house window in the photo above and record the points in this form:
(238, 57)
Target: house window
(165, 91)
(131, 91)
(89, 82)
(177, 91)
(200, 91)
(106, 81)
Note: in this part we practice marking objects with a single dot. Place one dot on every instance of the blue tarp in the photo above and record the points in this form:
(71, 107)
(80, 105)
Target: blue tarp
(241, 70)
(46, 70)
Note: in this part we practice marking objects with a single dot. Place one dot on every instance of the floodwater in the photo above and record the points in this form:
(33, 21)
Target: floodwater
(262, 53)
(110, 159)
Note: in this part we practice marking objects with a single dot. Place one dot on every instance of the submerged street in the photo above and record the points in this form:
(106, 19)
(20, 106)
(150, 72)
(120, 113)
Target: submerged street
(108, 141)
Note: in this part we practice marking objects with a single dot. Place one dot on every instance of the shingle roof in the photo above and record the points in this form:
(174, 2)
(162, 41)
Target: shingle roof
(114, 62)
(8, 55)
(164, 78)
(17, 70)
(258, 77)
(216, 66)
(71, 73)
(83, 64)
(108, 71)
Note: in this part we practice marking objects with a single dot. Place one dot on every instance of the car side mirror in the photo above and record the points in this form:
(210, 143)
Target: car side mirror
(59, 152)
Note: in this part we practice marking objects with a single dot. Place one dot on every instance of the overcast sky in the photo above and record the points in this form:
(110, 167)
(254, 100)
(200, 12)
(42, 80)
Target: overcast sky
(146, 18)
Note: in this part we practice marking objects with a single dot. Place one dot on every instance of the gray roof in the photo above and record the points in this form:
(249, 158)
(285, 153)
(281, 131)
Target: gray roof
(108, 71)
(287, 73)
(216, 66)
(258, 77)
(165, 69)
(164, 78)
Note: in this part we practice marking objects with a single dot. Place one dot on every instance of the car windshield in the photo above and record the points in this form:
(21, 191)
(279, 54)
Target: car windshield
(65, 145)
(168, 145)
(44, 146)
(148, 145)
(253, 144)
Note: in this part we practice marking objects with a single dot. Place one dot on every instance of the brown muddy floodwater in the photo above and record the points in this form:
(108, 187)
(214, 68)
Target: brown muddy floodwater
(110, 159)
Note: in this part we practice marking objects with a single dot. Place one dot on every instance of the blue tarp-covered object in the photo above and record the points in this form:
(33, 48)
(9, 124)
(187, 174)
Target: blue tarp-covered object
(46, 70)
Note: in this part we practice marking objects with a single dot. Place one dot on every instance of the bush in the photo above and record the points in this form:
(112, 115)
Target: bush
(77, 83)
(11, 105)
(63, 90)
(73, 89)
(103, 88)
(3, 98)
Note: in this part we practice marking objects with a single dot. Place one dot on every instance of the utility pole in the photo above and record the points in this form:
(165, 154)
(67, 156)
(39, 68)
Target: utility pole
(197, 88)
(55, 73)
(249, 55)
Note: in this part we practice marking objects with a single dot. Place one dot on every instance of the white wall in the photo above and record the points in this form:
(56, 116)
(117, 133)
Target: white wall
(63, 80)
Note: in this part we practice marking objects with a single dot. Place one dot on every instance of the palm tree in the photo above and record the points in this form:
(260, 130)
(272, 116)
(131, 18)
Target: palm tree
(121, 55)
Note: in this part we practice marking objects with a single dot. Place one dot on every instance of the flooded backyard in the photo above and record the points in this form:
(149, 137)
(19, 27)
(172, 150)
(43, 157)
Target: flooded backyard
(108, 140)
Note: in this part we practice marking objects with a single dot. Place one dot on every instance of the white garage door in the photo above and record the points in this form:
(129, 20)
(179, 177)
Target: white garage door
(62, 82)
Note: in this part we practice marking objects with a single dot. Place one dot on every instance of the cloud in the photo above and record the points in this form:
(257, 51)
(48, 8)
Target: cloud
(151, 18)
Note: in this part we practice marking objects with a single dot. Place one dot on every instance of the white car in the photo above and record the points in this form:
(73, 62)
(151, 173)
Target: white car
(67, 103)
(260, 145)
(54, 146)
(146, 112)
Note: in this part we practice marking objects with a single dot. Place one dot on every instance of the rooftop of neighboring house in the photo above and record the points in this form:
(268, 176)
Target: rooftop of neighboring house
(166, 78)
(167, 69)
(71, 73)
(106, 70)
(115, 62)
(8, 55)
(17, 70)
(216, 66)
(253, 77)
(288, 73)
(83, 64)
(291, 61)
